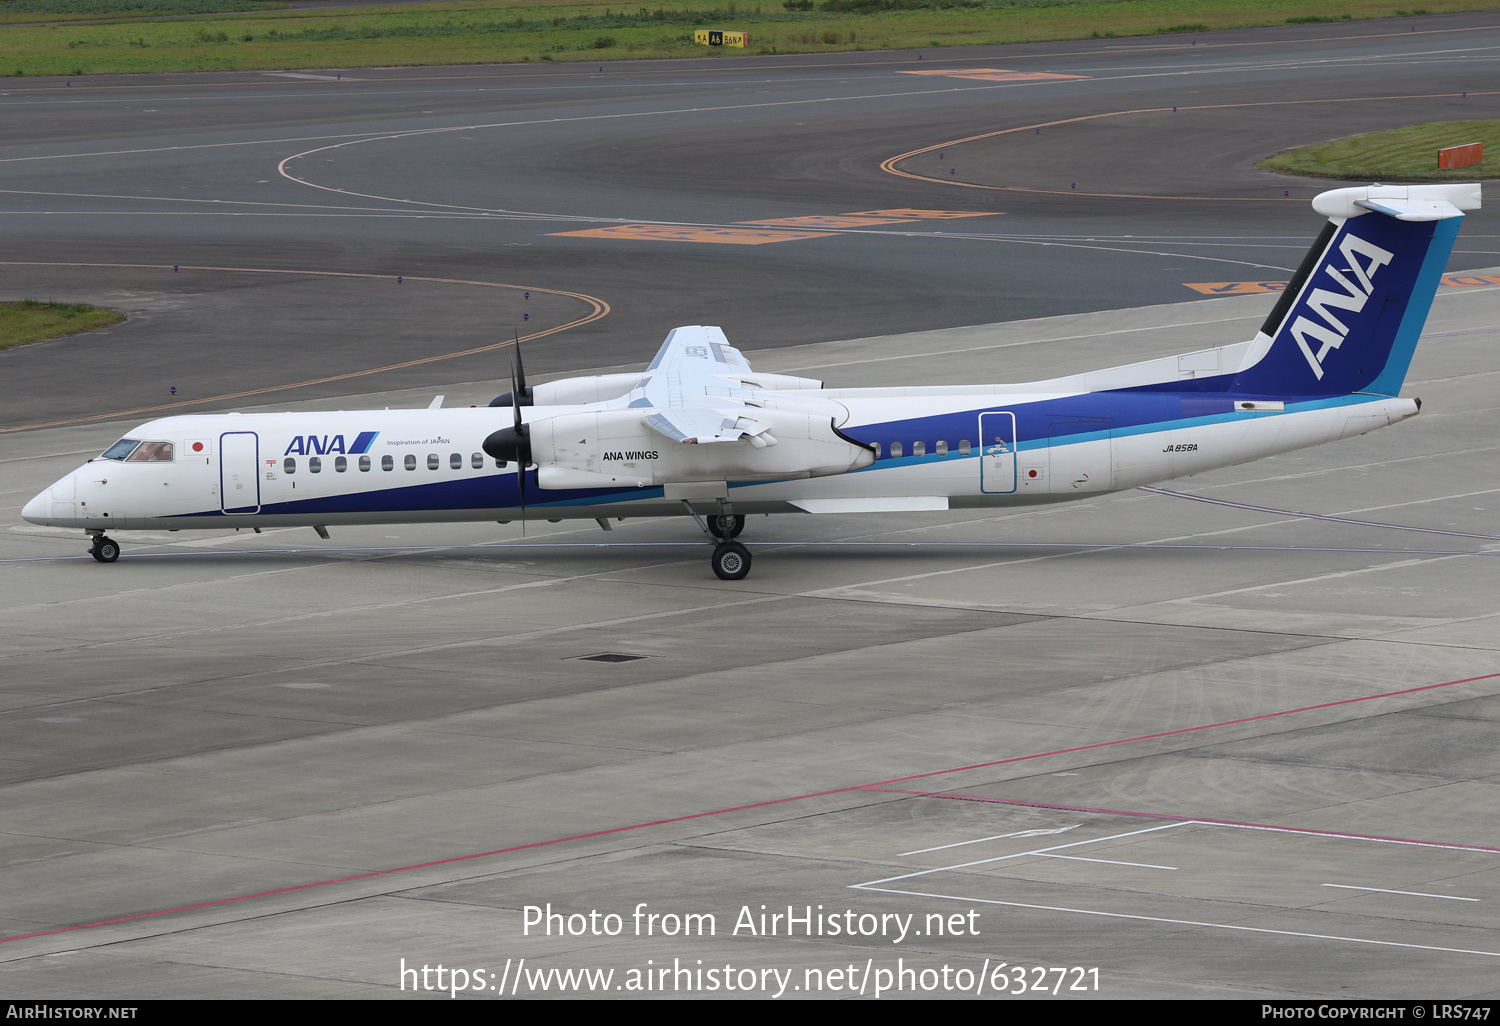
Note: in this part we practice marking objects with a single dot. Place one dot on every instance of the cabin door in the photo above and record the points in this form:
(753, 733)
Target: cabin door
(239, 472)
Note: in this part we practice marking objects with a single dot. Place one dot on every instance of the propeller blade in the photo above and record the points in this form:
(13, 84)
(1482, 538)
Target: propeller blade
(521, 390)
(513, 444)
(520, 393)
(523, 443)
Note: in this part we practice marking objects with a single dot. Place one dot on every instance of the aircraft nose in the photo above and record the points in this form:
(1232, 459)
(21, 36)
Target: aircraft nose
(39, 508)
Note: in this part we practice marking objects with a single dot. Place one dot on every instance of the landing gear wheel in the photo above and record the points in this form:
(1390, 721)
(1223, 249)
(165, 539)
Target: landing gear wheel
(727, 526)
(105, 550)
(731, 561)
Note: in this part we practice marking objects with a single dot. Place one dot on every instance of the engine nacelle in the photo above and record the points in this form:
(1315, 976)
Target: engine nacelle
(575, 391)
(616, 446)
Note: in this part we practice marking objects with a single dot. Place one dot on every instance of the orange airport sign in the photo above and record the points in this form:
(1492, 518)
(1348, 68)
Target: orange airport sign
(1461, 156)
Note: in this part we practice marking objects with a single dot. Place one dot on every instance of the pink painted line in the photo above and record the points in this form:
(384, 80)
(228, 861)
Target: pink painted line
(1170, 733)
(1186, 819)
(419, 865)
(874, 785)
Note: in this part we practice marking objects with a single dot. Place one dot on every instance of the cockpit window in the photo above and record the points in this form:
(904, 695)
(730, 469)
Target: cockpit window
(124, 447)
(151, 452)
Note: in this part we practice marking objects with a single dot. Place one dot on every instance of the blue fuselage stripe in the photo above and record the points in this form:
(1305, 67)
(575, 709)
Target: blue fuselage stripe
(1039, 425)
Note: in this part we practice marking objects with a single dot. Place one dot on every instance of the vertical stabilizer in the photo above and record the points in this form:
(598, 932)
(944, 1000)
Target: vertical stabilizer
(1350, 319)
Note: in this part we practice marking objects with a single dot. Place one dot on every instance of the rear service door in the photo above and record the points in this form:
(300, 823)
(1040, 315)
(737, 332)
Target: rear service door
(239, 472)
(997, 453)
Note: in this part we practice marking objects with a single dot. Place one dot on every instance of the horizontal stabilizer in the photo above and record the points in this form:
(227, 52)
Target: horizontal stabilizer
(1404, 202)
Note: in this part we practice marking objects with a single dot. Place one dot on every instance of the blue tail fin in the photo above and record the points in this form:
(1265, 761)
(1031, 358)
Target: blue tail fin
(1350, 319)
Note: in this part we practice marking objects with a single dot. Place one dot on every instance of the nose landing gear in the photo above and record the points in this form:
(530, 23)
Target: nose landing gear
(104, 549)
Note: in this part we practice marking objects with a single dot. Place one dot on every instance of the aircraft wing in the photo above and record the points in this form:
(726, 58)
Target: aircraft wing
(698, 347)
(695, 389)
(699, 393)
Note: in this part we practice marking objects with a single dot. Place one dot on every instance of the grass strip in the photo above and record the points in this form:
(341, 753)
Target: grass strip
(31, 320)
(23, 11)
(1395, 155)
(511, 31)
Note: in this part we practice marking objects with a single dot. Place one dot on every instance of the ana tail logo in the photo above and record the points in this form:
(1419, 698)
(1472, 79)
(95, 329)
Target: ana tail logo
(1355, 294)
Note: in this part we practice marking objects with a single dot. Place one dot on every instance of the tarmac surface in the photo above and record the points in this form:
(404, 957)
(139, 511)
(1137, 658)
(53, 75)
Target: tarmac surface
(1236, 747)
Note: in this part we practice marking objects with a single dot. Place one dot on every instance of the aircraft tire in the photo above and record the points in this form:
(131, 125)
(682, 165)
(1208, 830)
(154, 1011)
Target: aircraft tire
(731, 561)
(105, 550)
(726, 527)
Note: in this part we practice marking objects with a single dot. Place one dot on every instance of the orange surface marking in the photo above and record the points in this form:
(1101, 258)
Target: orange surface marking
(668, 233)
(1246, 288)
(827, 221)
(913, 214)
(992, 74)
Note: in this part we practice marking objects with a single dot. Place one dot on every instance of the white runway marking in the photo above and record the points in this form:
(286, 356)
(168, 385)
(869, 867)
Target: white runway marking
(1022, 854)
(873, 885)
(1185, 922)
(321, 78)
(996, 837)
(1415, 894)
(1111, 862)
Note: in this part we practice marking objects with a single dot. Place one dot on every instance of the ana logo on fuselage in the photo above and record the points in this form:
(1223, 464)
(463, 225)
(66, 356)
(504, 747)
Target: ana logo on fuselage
(1332, 332)
(323, 445)
(647, 455)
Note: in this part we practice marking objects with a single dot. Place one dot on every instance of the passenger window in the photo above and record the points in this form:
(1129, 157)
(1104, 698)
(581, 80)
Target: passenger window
(387, 463)
(895, 450)
(364, 464)
(502, 464)
(876, 447)
(410, 461)
(456, 461)
(340, 464)
(919, 448)
(477, 461)
(151, 452)
(963, 447)
(314, 465)
(288, 466)
(942, 447)
(433, 462)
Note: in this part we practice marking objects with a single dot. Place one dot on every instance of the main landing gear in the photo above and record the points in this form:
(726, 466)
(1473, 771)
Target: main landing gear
(726, 525)
(104, 549)
(731, 560)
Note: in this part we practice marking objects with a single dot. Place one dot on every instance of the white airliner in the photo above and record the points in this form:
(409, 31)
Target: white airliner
(700, 433)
